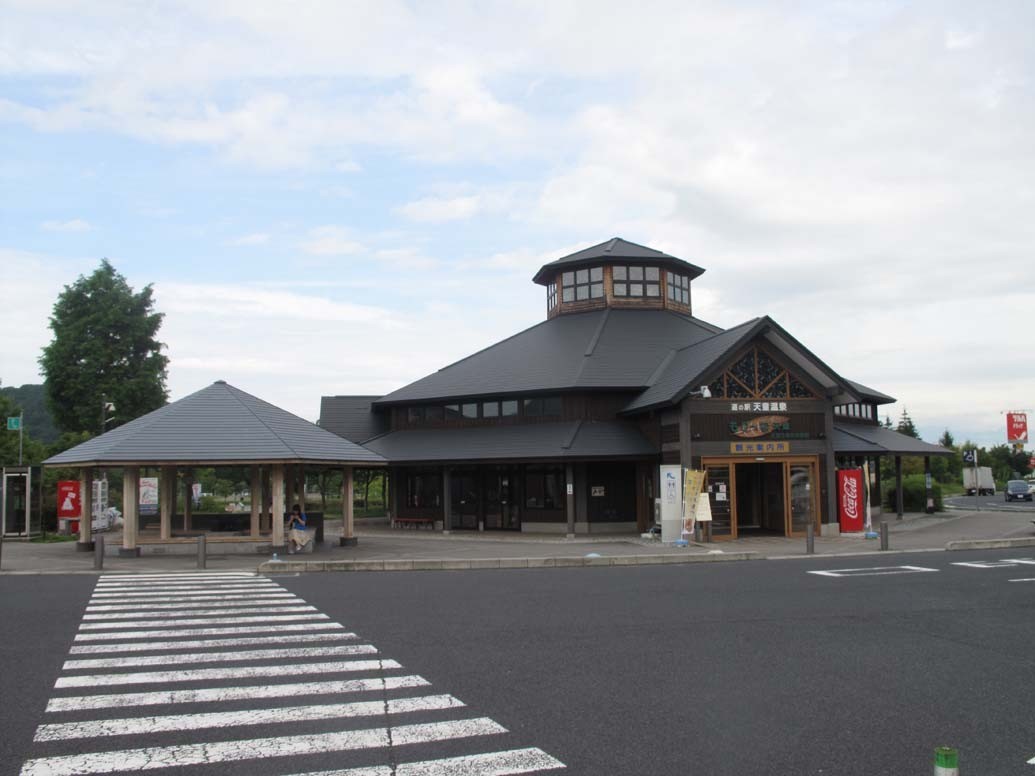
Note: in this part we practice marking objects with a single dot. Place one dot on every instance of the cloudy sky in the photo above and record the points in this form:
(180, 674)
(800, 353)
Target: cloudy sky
(335, 197)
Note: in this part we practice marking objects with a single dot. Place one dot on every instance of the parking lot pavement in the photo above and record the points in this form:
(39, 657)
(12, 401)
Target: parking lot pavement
(378, 542)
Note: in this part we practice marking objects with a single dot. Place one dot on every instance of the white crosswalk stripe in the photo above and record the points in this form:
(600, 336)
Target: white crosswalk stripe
(172, 623)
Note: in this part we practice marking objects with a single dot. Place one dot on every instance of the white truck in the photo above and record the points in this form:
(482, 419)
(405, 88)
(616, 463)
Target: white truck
(978, 480)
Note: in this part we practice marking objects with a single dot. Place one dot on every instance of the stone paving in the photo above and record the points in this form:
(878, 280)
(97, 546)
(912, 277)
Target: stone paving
(424, 548)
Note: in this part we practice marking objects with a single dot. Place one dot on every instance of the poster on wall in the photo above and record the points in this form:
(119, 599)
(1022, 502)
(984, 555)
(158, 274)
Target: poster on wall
(149, 495)
(1016, 428)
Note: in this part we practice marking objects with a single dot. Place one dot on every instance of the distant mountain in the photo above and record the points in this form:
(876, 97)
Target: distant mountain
(33, 402)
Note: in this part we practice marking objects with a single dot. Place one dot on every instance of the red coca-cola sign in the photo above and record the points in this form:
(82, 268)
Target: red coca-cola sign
(68, 503)
(850, 500)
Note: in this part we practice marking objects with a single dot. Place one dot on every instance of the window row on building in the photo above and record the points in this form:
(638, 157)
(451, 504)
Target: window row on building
(865, 411)
(541, 487)
(627, 281)
(531, 407)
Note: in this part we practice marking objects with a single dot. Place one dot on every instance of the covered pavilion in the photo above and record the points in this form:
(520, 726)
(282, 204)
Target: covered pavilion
(218, 426)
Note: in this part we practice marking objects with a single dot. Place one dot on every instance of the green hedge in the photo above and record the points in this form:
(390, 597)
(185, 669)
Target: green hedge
(914, 495)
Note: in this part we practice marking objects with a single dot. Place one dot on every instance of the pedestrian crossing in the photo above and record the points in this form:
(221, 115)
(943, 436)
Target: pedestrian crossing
(230, 673)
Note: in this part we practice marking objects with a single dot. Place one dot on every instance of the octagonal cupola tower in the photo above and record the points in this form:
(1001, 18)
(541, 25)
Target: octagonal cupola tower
(617, 273)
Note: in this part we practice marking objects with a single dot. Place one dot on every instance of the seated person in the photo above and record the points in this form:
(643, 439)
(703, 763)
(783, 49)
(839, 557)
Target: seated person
(296, 525)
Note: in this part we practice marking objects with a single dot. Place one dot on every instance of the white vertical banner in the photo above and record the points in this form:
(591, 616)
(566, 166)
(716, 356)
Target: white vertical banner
(671, 502)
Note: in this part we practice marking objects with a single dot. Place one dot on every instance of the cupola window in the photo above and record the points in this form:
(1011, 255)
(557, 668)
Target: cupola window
(581, 284)
(678, 288)
(637, 281)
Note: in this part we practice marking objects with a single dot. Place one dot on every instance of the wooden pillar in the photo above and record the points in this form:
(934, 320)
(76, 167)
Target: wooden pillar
(828, 472)
(130, 510)
(877, 485)
(267, 499)
(393, 494)
(85, 543)
(569, 498)
(898, 486)
(301, 486)
(255, 496)
(928, 489)
(348, 536)
(277, 506)
(188, 498)
(447, 500)
(166, 500)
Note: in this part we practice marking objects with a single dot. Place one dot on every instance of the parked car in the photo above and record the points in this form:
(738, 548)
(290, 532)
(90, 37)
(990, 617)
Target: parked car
(1018, 490)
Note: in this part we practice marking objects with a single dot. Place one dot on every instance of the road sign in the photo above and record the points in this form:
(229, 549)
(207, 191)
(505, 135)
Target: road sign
(14, 424)
(968, 456)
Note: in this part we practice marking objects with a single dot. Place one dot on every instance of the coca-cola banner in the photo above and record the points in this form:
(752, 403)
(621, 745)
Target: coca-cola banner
(1016, 428)
(850, 504)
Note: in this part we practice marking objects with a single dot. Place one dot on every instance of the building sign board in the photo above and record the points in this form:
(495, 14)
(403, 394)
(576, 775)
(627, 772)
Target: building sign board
(597, 490)
(759, 448)
(1016, 428)
(759, 406)
(761, 426)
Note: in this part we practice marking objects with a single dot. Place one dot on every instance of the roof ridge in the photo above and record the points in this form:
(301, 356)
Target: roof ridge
(234, 391)
(575, 432)
(144, 421)
(660, 370)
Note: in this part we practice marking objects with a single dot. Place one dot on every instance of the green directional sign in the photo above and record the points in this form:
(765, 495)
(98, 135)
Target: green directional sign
(14, 424)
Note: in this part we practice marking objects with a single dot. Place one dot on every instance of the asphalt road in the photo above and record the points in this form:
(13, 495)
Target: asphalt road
(727, 668)
(996, 503)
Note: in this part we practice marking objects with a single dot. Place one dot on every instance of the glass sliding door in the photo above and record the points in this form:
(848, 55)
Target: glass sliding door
(802, 478)
(720, 497)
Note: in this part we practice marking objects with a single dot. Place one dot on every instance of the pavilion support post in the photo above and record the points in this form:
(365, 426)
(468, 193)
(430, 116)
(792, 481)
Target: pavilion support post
(188, 499)
(348, 536)
(277, 507)
(85, 543)
(569, 499)
(130, 511)
(928, 486)
(255, 496)
(447, 500)
(393, 495)
(899, 501)
(166, 501)
(877, 485)
(267, 499)
(301, 486)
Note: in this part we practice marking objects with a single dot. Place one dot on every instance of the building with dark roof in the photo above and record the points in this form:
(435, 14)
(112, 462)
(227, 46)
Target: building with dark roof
(568, 425)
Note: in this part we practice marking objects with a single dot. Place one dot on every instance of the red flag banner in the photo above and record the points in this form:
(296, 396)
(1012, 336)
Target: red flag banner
(1016, 428)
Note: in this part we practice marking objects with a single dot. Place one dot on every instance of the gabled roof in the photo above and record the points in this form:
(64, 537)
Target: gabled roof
(615, 248)
(217, 425)
(533, 441)
(352, 417)
(864, 439)
(690, 366)
(609, 348)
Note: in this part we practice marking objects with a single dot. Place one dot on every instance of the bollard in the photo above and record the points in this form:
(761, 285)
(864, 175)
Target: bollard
(98, 552)
(884, 535)
(201, 551)
(810, 539)
(698, 533)
(946, 761)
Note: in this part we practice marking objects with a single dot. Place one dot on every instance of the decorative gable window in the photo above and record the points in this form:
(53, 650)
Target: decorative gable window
(581, 284)
(755, 375)
(631, 281)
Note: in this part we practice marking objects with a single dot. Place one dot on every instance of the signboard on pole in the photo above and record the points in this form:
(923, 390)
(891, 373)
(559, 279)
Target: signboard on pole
(14, 424)
(149, 495)
(1016, 428)
(68, 501)
(851, 509)
(671, 502)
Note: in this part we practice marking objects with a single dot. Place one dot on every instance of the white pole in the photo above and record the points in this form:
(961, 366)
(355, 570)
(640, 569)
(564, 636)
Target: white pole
(21, 430)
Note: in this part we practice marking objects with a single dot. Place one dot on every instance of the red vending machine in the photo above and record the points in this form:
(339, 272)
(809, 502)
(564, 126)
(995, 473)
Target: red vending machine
(851, 505)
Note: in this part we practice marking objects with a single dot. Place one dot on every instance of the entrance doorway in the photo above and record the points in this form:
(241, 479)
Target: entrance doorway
(464, 495)
(760, 498)
(501, 502)
(777, 496)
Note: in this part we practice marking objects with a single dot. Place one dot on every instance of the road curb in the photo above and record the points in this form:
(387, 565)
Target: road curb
(990, 544)
(455, 564)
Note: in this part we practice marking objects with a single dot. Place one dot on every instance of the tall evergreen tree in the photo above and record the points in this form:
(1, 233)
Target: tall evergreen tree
(947, 440)
(104, 349)
(906, 426)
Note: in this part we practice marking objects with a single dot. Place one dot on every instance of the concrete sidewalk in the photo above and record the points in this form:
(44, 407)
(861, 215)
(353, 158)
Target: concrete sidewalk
(382, 548)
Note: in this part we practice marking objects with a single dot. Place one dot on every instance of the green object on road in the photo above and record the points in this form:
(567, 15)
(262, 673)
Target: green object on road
(14, 424)
(946, 757)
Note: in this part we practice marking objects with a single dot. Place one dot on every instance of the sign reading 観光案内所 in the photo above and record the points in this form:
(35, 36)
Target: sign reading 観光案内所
(759, 448)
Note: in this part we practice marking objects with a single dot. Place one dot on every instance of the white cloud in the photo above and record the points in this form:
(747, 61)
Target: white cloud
(331, 241)
(439, 209)
(74, 225)
(255, 238)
